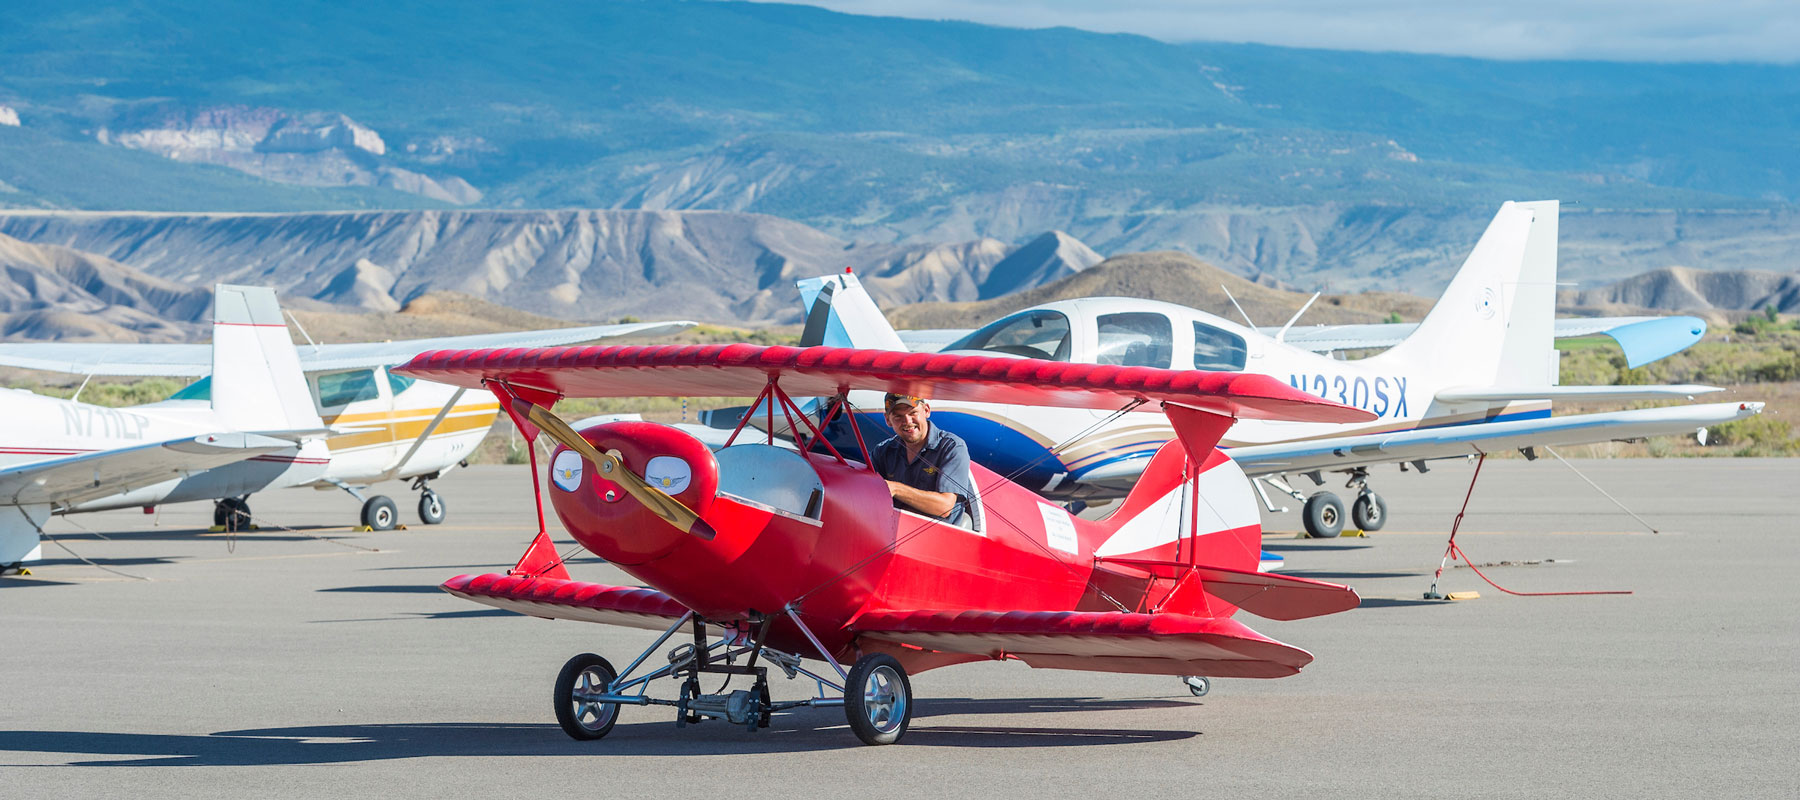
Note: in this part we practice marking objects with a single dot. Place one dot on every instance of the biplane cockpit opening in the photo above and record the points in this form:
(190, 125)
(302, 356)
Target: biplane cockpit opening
(775, 478)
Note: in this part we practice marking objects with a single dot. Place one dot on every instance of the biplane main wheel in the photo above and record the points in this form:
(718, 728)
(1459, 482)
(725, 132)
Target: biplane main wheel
(585, 675)
(1369, 511)
(1197, 686)
(1323, 515)
(380, 514)
(431, 507)
(878, 699)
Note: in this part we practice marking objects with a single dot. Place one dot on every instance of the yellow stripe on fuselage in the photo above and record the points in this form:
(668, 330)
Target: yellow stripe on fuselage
(405, 425)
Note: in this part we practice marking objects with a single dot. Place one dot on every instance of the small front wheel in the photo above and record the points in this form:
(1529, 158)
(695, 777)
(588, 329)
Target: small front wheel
(584, 677)
(1197, 686)
(878, 699)
(1369, 512)
(431, 507)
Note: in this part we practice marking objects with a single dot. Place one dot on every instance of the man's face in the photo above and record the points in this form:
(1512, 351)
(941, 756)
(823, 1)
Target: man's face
(909, 422)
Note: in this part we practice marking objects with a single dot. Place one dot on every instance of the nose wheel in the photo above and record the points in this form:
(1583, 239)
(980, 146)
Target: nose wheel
(1369, 512)
(431, 507)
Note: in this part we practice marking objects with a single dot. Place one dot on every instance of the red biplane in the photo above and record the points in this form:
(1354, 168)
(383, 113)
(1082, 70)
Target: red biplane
(766, 555)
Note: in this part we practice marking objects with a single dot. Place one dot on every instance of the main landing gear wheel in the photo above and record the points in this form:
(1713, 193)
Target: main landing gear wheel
(232, 514)
(1324, 516)
(878, 699)
(1197, 686)
(431, 507)
(583, 677)
(380, 514)
(1369, 512)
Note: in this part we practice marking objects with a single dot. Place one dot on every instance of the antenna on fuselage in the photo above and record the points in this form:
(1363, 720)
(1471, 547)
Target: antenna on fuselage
(1280, 334)
(1234, 304)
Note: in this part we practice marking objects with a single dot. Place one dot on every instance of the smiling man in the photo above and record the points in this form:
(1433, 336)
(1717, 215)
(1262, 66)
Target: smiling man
(927, 469)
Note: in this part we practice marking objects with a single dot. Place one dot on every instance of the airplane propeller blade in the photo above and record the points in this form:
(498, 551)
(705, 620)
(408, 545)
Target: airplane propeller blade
(662, 505)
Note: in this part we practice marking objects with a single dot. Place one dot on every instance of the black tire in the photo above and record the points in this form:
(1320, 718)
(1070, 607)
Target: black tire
(1197, 685)
(232, 514)
(1369, 512)
(585, 721)
(1324, 516)
(878, 699)
(431, 507)
(380, 514)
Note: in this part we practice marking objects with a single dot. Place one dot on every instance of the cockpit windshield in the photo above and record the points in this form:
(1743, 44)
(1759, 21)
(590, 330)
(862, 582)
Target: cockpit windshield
(1033, 334)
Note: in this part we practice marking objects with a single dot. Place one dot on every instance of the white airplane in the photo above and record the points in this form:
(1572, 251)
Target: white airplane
(1477, 375)
(263, 416)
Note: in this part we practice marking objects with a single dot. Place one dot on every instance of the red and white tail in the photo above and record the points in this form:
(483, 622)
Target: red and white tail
(1210, 521)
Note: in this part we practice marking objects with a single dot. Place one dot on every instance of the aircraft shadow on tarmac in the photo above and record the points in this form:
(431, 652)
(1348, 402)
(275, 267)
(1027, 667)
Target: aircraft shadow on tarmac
(1328, 575)
(1312, 548)
(300, 534)
(1395, 602)
(806, 730)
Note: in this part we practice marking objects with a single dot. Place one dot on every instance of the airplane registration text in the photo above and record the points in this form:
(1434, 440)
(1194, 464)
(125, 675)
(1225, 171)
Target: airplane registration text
(1382, 395)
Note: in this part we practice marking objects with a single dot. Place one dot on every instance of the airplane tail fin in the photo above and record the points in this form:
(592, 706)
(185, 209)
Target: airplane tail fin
(1155, 520)
(257, 384)
(1494, 323)
(840, 313)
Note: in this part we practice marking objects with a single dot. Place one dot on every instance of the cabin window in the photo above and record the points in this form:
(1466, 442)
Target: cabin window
(1217, 350)
(772, 477)
(1033, 334)
(1135, 339)
(344, 388)
(399, 383)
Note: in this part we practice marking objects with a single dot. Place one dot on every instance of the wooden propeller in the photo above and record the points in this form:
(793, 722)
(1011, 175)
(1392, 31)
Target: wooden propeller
(661, 504)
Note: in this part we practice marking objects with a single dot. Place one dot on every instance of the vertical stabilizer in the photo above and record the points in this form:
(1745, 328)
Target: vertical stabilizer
(840, 313)
(1494, 322)
(257, 384)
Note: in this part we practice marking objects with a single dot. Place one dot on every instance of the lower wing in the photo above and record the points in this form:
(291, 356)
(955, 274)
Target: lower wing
(1157, 644)
(551, 598)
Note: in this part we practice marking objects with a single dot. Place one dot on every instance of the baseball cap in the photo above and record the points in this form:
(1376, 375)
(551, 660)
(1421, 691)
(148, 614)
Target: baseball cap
(902, 400)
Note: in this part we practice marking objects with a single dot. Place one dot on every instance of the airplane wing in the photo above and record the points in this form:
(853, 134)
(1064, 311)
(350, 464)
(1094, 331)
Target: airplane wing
(195, 360)
(1460, 440)
(552, 598)
(86, 476)
(742, 370)
(1644, 339)
(1157, 644)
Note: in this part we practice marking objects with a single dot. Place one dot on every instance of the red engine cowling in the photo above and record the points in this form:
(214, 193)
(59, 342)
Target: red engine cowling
(603, 517)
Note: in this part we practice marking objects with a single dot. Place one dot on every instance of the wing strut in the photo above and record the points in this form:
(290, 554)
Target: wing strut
(426, 434)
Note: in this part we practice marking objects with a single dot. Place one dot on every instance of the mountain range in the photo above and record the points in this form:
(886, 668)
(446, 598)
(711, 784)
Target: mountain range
(1311, 168)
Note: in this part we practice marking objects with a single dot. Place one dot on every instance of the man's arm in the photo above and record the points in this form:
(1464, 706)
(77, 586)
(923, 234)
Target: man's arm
(936, 504)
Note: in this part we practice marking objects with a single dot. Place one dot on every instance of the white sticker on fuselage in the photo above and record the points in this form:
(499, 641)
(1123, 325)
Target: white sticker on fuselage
(1059, 530)
(565, 471)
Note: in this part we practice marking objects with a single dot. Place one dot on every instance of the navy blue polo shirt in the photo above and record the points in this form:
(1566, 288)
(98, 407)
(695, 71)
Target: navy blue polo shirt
(942, 466)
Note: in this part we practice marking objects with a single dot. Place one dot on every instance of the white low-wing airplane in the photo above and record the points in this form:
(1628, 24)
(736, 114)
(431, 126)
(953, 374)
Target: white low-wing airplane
(329, 417)
(1477, 375)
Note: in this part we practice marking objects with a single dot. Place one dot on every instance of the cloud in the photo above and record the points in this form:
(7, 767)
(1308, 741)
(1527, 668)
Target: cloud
(1621, 30)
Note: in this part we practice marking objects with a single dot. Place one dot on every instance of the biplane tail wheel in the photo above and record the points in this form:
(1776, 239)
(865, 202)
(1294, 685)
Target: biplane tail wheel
(1197, 686)
(878, 699)
(584, 676)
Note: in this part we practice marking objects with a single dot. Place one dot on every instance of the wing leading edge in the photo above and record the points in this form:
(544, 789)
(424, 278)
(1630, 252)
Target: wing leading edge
(86, 476)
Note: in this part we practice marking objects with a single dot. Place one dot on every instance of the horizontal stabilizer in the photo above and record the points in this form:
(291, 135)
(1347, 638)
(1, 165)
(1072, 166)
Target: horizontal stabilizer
(1278, 597)
(74, 479)
(1156, 644)
(550, 598)
(1502, 394)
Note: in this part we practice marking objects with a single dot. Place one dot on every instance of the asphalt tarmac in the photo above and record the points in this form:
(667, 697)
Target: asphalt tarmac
(320, 662)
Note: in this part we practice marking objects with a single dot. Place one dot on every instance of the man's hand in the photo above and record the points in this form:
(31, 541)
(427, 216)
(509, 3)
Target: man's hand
(935, 504)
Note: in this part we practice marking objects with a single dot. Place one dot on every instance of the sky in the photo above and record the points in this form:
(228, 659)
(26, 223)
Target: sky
(1605, 30)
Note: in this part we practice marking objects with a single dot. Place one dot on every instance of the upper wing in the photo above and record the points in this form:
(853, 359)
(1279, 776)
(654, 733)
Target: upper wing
(1644, 339)
(374, 354)
(1458, 440)
(195, 360)
(551, 598)
(78, 478)
(1160, 644)
(742, 370)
